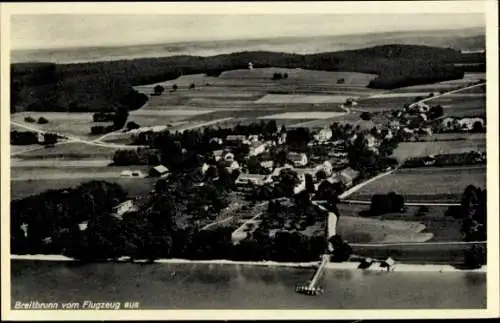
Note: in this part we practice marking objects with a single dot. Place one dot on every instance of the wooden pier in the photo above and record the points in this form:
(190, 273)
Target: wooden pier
(312, 287)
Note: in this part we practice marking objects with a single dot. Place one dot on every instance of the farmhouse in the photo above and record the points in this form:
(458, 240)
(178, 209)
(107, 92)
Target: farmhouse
(297, 159)
(267, 164)
(371, 141)
(301, 185)
(347, 176)
(235, 139)
(218, 154)
(257, 149)
(324, 134)
(122, 208)
(467, 124)
(131, 173)
(204, 168)
(83, 226)
(325, 167)
(158, 171)
(255, 179)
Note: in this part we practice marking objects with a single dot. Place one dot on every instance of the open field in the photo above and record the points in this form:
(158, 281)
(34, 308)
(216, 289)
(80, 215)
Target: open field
(300, 76)
(19, 149)
(462, 106)
(73, 124)
(407, 150)
(421, 253)
(446, 85)
(72, 150)
(56, 162)
(300, 98)
(133, 186)
(365, 230)
(385, 104)
(303, 115)
(61, 172)
(441, 227)
(426, 184)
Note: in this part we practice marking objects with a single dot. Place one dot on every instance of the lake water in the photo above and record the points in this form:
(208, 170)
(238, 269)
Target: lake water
(223, 286)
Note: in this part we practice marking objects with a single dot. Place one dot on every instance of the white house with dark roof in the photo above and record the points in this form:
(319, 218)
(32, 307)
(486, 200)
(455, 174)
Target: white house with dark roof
(297, 159)
(124, 207)
(159, 171)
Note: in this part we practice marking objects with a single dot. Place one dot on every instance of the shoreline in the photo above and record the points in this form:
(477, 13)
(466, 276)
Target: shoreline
(398, 267)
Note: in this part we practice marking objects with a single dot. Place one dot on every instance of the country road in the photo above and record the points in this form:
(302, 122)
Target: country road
(71, 139)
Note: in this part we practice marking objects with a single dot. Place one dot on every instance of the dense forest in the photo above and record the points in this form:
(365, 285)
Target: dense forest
(100, 86)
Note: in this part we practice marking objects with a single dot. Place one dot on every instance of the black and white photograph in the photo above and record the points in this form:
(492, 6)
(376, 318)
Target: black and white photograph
(251, 157)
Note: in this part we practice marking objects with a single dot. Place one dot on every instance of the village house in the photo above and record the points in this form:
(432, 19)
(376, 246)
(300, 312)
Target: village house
(371, 141)
(267, 164)
(132, 173)
(467, 124)
(427, 131)
(235, 139)
(422, 107)
(347, 176)
(122, 208)
(282, 138)
(218, 154)
(325, 167)
(83, 226)
(297, 159)
(301, 185)
(204, 168)
(394, 125)
(324, 134)
(249, 179)
(257, 148)
(158, 171)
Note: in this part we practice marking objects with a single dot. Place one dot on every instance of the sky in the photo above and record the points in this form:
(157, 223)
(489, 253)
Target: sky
(74, 30)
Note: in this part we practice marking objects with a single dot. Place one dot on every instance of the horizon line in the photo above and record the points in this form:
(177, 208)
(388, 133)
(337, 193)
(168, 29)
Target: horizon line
(244, 39)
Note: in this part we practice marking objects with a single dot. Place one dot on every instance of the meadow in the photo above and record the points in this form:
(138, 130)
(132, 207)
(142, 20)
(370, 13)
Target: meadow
(72, 150)
(434, 222)
(429, 184)
(64, 123)
(407, 150)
